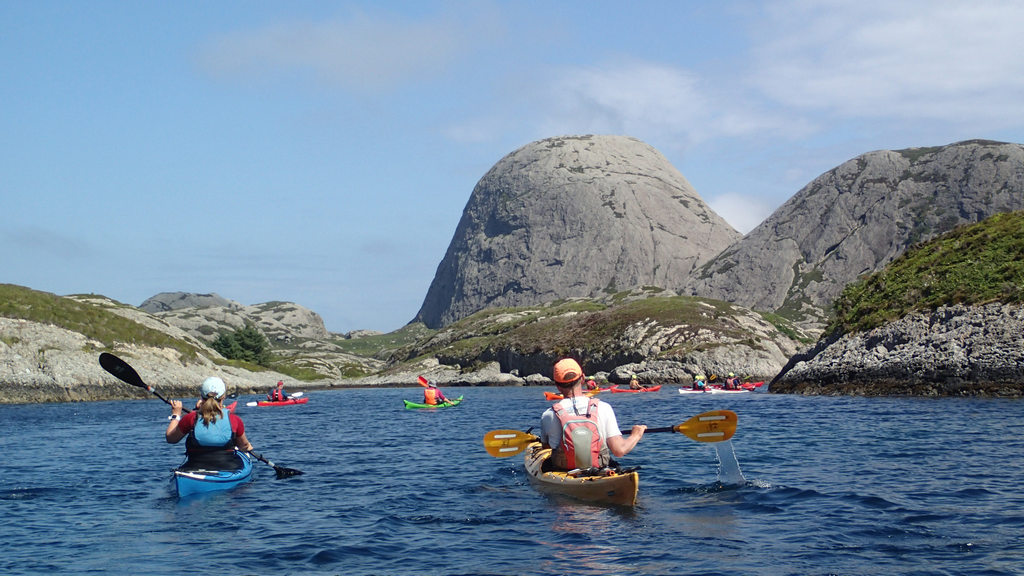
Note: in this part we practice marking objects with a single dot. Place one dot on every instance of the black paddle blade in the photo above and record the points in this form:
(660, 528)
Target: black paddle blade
(283, 472)
(120, 369)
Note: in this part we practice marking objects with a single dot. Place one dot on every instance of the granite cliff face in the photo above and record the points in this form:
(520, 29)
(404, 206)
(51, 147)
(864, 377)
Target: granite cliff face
(856, 218)
(573, 217)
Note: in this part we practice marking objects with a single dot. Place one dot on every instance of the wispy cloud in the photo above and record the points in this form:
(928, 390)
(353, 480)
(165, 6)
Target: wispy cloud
(48, 244)
(932, 59)
(656, 102)
(362, 52)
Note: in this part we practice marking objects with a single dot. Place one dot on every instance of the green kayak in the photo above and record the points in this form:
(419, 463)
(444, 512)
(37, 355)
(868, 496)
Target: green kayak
(448, 404)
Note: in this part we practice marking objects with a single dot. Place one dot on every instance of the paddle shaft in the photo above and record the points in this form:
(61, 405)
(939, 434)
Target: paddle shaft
(713, 426)
(661, 429)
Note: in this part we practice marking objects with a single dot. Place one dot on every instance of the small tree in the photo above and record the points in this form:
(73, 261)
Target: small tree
(246, 343)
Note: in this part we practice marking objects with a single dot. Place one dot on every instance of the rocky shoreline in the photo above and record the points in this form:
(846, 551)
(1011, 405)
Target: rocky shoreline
(953, 351)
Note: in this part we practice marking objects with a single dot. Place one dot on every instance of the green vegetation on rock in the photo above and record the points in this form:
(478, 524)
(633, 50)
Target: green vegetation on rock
(246, 343)
(93, 322)
(974, 264)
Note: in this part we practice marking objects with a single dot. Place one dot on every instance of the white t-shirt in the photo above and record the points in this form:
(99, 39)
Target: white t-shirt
(551, 427)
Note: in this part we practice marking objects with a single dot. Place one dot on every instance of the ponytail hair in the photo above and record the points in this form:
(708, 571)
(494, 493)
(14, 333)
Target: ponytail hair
(210, 408)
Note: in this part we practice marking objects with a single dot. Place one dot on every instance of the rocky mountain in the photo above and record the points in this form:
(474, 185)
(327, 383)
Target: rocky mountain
(206, 315)
(297, 334)
(856, 218)
(168, 301)
(574, 216)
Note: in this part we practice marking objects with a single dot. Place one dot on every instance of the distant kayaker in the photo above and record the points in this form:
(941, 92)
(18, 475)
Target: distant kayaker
(732, 382)
(591, 384)
(582, 431)
(213, 431)
(433, 396)
(277, 393)
(634, 383)
(700, 383)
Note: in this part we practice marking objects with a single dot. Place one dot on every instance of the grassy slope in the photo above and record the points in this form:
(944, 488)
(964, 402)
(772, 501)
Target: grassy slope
(92, 321)
(974, 264)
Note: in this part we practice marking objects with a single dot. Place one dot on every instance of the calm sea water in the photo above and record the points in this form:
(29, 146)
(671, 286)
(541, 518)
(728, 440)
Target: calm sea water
(806, 486)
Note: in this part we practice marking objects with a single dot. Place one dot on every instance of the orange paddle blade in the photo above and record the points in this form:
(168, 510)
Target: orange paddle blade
(505, 443)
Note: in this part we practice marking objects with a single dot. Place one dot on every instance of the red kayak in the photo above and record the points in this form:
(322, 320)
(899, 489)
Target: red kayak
(301, 400)
(648, 389)
(553, 396)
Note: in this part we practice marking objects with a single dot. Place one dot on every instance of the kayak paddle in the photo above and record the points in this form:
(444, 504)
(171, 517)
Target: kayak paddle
(713, 426)
(125, 373)
(296, 395)
(282, 472)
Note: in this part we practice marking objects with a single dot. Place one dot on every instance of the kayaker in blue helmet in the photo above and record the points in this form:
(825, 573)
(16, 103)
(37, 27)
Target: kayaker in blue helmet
(213, 431)
(582, 431)
(277, 393)
(432, 395)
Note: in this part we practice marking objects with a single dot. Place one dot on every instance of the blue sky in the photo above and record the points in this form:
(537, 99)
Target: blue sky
(322, 152)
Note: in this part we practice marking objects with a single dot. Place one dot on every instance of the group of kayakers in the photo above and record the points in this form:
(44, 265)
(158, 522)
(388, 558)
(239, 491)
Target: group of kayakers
(700, 382)
(581, 430)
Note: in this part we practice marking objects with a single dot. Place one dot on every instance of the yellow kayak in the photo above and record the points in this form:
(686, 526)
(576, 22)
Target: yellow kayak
(612, 489)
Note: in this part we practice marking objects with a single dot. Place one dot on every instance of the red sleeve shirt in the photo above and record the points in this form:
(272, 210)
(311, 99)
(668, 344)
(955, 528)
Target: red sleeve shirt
(188, 422)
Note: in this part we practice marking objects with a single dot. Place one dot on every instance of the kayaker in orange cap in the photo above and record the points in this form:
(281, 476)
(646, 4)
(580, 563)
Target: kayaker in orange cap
(582, 431)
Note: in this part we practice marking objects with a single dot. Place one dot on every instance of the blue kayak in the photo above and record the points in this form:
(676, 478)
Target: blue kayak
(188, 482)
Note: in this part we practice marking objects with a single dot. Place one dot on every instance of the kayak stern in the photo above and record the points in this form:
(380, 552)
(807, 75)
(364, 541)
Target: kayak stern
(620, 489)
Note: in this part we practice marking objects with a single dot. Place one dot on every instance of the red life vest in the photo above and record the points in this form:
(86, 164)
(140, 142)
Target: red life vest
(579, 431)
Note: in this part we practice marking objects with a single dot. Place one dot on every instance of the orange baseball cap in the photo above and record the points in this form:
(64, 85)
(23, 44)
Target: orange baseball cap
(567, 371)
